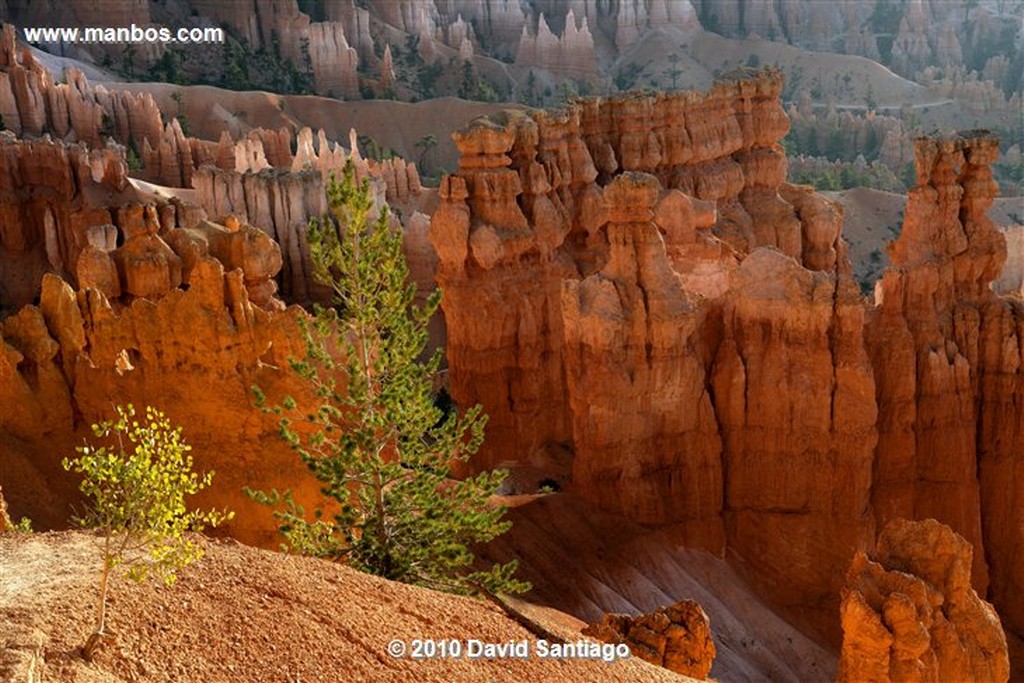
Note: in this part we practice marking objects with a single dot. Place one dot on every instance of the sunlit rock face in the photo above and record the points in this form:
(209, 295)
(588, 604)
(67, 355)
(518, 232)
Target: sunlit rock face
(643, 305)
(909, 612)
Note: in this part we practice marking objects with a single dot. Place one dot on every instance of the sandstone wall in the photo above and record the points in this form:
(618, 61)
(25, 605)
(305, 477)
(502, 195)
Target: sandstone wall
(645, 307)
(51, 196)
(164, 314)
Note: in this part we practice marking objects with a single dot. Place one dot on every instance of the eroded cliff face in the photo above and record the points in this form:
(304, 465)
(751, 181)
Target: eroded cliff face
(51, 196)
(909, 612)
(647, 309)
(161, 314)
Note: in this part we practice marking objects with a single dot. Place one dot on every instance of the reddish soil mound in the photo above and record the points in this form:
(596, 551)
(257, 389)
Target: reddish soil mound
(242, 614)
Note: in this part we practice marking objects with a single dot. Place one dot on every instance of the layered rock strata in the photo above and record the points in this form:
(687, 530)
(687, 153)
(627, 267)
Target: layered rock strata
(163, 318)
(909, 612)
(674, 325)
(947, 352)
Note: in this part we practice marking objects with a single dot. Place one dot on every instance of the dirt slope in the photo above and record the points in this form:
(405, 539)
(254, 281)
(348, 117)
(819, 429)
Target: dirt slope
(394, 125)
(242, 614)
(584, 561)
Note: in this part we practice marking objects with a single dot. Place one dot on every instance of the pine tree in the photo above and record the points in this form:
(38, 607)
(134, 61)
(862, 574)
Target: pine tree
(374, 438)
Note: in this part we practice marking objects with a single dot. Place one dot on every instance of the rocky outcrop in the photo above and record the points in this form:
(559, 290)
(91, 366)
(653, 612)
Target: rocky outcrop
(950, 352)
(64, 362)
(570, 55)
(909, 612)
(526, 196)
(281, 202)
(658, 320)
(677, 637)
(50, 196)
(676, 326)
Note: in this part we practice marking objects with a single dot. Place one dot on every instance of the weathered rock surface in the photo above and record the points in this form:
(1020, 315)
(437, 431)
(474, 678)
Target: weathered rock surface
(281, 200)
(5, 520)
(50, 197)
(675, 330)
(794, 398)
(677, 637)
(636, 383)
(909, 612)
(570, 55)
(948, 354)
(64, 363)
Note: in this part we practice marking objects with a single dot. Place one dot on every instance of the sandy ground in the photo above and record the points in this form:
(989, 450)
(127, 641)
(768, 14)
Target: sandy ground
(242, 614)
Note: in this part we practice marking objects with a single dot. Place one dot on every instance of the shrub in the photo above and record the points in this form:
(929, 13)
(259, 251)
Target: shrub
(136, 483)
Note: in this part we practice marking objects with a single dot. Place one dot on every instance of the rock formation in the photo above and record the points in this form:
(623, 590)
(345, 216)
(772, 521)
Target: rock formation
(677, 637)
(32, 103)
(632, 341)
(328, 44)
(909, 612)
(281, 201)
(5, 520)
(950, 349)
(570, 55)
(500, 22)
(64, 362)
(679, 327)
(50, 195)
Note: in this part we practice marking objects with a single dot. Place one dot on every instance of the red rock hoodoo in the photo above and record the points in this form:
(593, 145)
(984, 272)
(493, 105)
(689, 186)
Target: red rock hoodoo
(677, 637)
(910, 614)
(674, 328)
(649, 313)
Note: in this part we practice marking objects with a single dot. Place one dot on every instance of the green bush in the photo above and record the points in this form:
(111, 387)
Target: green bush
(136, 483)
